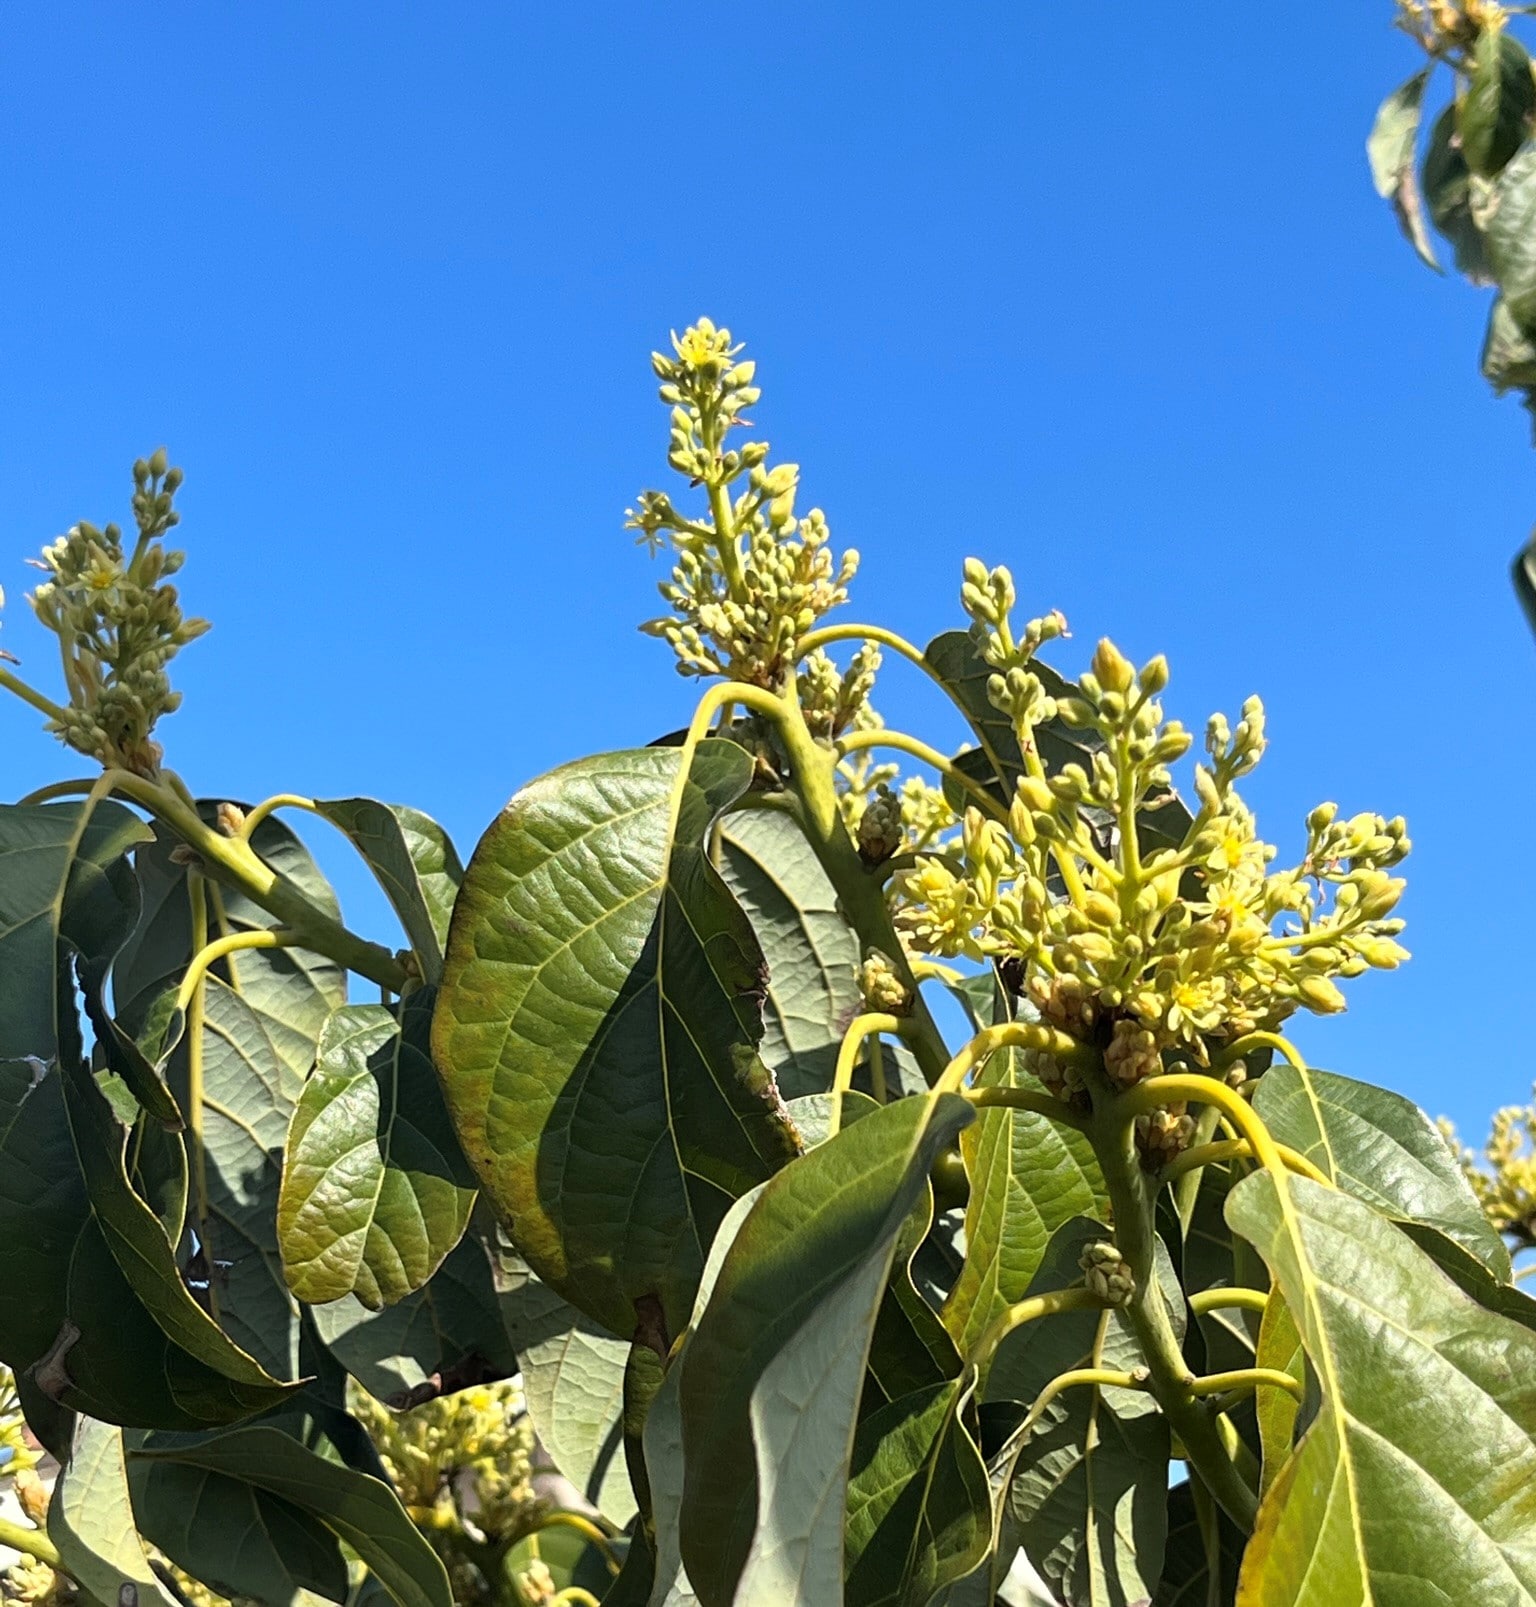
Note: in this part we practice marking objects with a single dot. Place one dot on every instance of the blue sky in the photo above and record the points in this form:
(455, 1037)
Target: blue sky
(1112, 301)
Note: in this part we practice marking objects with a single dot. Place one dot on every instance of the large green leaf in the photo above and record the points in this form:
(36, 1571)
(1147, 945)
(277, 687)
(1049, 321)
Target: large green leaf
(1087, 1485)
(106, 1325)
(1419, 1465)
(662, 1433)
(1446, 182)
(1495, 114)
(811, 952)
(1391, 151)
(596, 1030)
(91, 1521)
(776, 1362)
(1028, 1176)
(919, 1505)
(62, 877)
(446, 1336)
(415, 863)
(573, 1377)
(240, 1540)
(1512, 237)
(375, 1192)
(1382, 1149)
(360, 1511)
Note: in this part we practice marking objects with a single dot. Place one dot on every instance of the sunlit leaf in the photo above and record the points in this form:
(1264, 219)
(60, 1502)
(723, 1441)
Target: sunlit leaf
(596, 1030)
(1420, 1463)
(776, 1362)
(374, 1192)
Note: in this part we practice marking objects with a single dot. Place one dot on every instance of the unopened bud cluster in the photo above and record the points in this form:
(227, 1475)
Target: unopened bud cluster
(1106, 1274)
(834, 700)
(119, 623)
(1133, 927)
(751, 577)
(882, 986)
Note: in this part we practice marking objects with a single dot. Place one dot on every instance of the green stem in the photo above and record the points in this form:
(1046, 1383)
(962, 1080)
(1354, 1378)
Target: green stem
(14, 683)
(1023, 1311)
(855, 741)
(33, 1542)
(1238, 1149)
(1047, 1105)
(1245, 1379)
(1010, 1035)
(860, 1029)
(898, 644)
(281, 800)
(193, 1006)
(1240, 1048)
(211, 953)
(1205, 1300)
(237, 865)
(860, 895)
(1131, 1201)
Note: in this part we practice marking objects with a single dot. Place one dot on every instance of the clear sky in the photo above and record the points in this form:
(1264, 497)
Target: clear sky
(1112, 301)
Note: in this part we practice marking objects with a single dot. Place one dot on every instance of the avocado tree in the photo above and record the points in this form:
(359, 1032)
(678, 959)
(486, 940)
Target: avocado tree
(812, 1303)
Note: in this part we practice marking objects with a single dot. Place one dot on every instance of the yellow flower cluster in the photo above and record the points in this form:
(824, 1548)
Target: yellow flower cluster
(1504, 1176)
(1132, 936)
(460, 1461)
(751, 578)
(119, 624)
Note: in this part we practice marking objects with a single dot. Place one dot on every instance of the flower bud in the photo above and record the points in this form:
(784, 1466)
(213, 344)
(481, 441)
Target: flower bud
(1112, 668)
(1320, 995)
(1153, 676)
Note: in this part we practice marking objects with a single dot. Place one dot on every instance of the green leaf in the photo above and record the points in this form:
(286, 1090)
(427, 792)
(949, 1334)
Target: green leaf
(1380, 1148)
(811, 952)
(1446, 183)
(416, 865)
(446, 1336)
(64, 878)
(289, 992)
(91, 1521)
(777, 1360)
(360, 1511)
(1495, 114)
(1419, 1464)
(237, 1539)
(1391, 151)
(108, 1326)
(375, 1192)
(1186, 1578)
(573, 1378)
(264, 1011)
(662, 1433)
(1028, 1176)
(1472, 1276)
(919, 1505)
(1087, 1486)
(1512, 237)
(1509, 354)
(1279, 1348)
(596, 1030)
